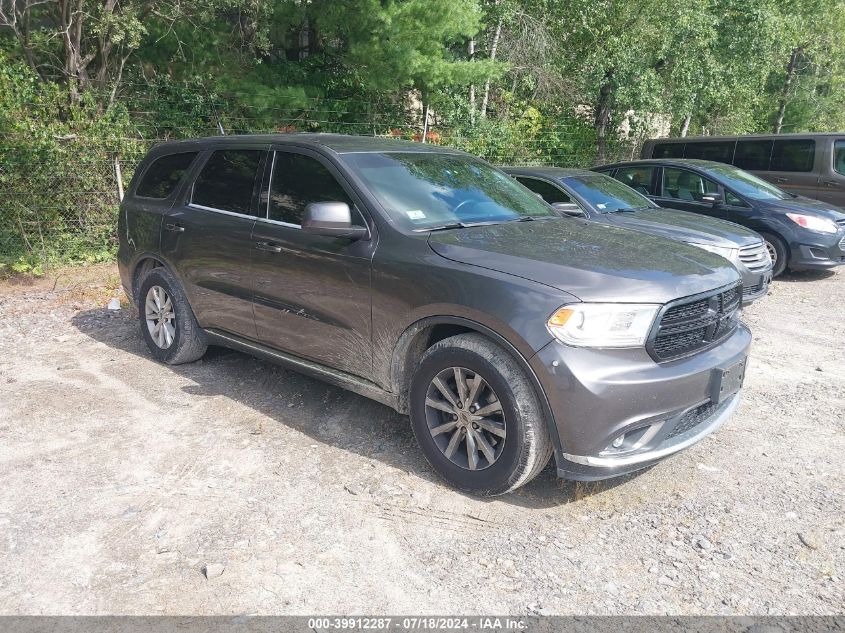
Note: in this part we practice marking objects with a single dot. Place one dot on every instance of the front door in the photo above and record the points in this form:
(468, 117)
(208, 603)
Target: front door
(207, 237)
(312, 292)
(832, 173)
(687, 190)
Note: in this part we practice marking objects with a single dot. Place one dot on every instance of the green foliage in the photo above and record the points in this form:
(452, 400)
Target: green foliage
(514, 81)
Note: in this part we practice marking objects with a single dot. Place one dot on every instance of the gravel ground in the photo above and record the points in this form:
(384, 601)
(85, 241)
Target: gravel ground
(233, 486)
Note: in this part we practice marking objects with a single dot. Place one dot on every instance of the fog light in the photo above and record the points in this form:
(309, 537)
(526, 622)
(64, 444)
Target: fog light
(618, 441)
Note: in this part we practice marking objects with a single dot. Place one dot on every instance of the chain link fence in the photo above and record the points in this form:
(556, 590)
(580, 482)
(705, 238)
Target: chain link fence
(59, 194)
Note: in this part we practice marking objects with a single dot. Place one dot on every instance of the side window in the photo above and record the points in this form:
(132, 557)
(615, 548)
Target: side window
(227, 180)
(753, 155)
(733, 201)
(793, 155)
(668, 150)
(162, 177)
(547, 191)
(720, 151)
(638, 178)
(681, 184)
(839, 157)
(299, 180)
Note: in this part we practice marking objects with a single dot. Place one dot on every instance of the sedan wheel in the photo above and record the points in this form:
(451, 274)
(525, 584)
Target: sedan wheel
(160, 316)
(465, 418)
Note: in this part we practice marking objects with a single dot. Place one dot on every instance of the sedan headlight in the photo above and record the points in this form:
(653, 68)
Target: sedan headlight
(814, 223)
(603, 324)
(723, 251)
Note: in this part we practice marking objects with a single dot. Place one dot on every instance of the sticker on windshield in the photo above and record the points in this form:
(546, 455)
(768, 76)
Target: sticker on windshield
(601, 206)
(416, 214)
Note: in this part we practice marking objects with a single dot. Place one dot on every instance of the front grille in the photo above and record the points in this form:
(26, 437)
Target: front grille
(695, 323)
(842, 243)
(755, 256)
(694, 417)
(750, 291)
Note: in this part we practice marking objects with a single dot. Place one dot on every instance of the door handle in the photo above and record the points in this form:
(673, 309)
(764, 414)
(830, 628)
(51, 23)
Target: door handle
(175, 228)
(830, 183)
(781, 179)
(269, 247)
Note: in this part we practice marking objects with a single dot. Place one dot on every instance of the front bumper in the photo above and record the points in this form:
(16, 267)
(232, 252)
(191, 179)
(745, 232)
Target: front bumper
(754, 284)
(817, 252)
(598, 394)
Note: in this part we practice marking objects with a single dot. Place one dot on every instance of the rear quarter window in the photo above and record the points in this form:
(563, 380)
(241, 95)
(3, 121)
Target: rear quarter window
(164, 174)
(668, 150)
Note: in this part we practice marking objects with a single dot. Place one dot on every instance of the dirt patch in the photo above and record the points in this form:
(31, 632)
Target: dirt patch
(233, 486)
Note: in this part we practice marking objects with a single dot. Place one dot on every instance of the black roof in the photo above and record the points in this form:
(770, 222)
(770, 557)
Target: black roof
(742, 137)
(547, 172)
(338, 143)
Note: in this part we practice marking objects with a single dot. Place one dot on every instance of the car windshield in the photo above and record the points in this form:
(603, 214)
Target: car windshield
(422, 190)
(606, 194)
(746, 184)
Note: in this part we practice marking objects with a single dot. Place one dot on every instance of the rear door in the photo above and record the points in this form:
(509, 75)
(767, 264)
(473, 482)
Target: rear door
(207, 238)
(792, 166)
(312, 292)
(687, 190)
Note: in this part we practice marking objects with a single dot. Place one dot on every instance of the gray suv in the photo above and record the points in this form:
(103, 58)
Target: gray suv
(428, 280)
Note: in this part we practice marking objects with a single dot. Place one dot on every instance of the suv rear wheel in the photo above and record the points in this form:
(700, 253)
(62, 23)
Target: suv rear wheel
(477, 417)
(168, 324)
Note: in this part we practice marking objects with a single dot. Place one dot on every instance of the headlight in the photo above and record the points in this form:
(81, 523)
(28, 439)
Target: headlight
(814, 223)
(603, 324)
(723, 251)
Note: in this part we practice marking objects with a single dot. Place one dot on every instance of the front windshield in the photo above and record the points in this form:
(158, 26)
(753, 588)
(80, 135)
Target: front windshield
(607, 195)
(422, 190)
(747, 184)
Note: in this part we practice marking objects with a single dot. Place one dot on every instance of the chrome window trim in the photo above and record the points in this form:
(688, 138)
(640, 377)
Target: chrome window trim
(279, 223)
(193, 205)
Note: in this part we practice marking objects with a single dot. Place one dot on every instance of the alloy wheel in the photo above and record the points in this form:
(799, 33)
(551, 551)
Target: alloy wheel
(465, 418)
(160, 317)
(772, 253)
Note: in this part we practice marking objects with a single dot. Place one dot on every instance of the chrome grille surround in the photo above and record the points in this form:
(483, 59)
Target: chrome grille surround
(692, 324)
(755, 257)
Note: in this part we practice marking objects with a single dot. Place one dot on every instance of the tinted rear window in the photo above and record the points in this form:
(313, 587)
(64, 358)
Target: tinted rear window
(753, 155)
(228, 180)
(793, 155)
(164, 175)
(668, 150)
(720, 151)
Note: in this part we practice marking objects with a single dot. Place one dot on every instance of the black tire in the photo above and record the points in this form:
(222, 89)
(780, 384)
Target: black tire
(777, 247)
(188, 341)
(526, 446)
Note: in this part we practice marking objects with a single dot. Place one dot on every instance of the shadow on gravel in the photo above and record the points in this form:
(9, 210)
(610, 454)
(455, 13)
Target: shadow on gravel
(325, 413)
(806, 275)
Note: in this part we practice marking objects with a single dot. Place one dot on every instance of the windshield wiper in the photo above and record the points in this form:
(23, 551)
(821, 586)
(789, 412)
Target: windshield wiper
(623, 210)
(442, 227)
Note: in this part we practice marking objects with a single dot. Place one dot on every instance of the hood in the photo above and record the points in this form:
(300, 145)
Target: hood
(684, 226)
(801, 204)
(593, 261)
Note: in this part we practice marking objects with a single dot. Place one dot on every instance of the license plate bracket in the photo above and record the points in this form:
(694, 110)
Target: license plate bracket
(726, 382)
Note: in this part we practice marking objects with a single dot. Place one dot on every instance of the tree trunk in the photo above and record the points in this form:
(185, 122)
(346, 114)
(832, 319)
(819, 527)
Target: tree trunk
(685, 125)
(787, 84)
(602, 120)
(471, 55)
(494, 45)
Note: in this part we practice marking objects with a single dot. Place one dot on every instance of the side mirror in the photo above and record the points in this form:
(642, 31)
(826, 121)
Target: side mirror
(568, 208)
(332, 219)
(714, 198)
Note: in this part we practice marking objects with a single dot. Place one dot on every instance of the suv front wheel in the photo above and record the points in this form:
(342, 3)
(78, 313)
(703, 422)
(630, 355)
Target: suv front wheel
(477, 417)
(168, 324)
